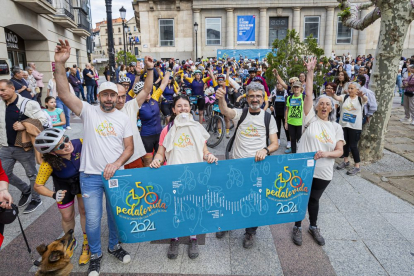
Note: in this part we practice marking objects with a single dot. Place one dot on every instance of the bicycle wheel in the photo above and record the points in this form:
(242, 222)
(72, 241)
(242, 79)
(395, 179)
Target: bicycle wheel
(208, 112)
(212, 128)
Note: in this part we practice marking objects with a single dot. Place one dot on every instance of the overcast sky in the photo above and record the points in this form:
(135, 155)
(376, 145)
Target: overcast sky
(99, 10)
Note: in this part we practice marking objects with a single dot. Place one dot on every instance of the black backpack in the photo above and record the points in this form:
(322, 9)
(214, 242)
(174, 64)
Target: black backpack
(267, 118)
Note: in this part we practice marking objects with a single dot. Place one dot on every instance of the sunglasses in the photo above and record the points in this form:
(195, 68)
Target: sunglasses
(61, 146)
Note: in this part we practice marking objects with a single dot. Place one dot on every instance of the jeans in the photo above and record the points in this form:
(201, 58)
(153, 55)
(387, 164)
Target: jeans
(399, 84)
(92, 193)
(89, 93)
(38, 97)
(61, 105)
(8, 157)
(81, 92)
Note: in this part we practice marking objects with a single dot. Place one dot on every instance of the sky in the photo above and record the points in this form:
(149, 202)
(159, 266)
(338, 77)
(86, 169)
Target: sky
(99, 10)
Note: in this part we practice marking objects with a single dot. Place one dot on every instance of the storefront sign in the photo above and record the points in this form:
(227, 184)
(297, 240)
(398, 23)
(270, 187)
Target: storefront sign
(246, 29)
(190, 199)
(13, 40)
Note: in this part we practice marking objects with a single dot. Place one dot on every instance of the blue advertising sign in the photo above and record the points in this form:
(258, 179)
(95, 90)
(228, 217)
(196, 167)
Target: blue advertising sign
(249, 53)
(246, 29)
(191, 199)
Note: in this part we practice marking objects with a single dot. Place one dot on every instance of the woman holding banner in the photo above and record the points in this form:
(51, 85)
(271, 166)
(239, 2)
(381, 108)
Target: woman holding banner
(321, 134)
(182, 141)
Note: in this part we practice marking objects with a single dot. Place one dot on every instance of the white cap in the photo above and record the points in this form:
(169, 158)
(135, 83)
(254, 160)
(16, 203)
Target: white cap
(108, 86)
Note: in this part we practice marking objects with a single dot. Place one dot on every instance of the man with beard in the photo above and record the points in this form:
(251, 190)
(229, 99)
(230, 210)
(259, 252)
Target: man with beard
(107, 145)
(254, 127)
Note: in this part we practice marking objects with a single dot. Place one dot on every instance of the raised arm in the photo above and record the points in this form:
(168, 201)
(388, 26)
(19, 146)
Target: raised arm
(310, 66)
(149, 63)
(62, 54)
(279, 79)
(164, 82)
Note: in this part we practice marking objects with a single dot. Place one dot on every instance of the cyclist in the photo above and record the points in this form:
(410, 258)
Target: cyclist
(293, 115)
(171, 88)
(222, 82)
(192, 149)
(62, 161)
(253, 74)
(197, 87)
(278, 99)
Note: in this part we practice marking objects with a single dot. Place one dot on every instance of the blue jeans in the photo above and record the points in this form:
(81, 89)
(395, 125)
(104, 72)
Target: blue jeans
(61, 105)
(399, 84)
(92, 193)
(89, 94)
(81, 92)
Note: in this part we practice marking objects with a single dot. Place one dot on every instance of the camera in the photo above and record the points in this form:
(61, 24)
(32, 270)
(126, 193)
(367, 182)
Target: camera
(7, 216)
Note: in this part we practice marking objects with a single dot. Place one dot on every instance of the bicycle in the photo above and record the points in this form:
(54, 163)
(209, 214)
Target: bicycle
(213, 124)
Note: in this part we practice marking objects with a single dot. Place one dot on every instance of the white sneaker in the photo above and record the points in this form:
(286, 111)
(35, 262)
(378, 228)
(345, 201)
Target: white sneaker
(68, 127)
(405, 120)
(288, 145)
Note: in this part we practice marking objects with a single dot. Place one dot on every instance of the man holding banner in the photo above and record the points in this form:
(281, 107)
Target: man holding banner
(254, 128)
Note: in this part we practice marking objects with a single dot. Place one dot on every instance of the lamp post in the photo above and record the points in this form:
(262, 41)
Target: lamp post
(111, 53)
(122, 11)
(196, 29)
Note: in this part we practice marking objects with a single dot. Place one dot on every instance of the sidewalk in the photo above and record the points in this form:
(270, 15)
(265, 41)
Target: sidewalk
(368, 231)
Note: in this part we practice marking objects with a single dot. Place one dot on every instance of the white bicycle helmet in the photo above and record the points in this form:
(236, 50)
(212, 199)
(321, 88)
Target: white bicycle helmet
(138, 87)
(47, 140)
(124, 79)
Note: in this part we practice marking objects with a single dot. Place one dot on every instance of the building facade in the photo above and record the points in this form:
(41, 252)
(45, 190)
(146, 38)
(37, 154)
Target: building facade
(30, 31)
(167, 27)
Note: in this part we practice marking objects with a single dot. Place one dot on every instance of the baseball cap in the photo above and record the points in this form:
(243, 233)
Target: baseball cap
(108, 86)
(297, 84)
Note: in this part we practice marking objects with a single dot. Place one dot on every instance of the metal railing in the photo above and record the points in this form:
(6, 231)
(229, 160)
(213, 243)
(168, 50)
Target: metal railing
(50, 2)
(82, 20)
(64, 7)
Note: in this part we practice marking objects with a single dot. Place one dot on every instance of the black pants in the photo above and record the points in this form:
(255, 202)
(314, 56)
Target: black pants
(318, 187)
(280, 122)
(351, 138)
(95, 93)
(251, 230)
(295, 134)
(1, 228)
(39, 96)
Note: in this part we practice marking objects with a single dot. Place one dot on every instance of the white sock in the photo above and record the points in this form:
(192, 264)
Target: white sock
(194, 237)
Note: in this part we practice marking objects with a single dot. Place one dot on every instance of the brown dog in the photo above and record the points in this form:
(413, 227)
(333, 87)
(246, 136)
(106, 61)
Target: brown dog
(55, 260)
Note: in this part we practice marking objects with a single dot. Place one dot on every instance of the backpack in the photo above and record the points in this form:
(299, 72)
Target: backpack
(267, 118)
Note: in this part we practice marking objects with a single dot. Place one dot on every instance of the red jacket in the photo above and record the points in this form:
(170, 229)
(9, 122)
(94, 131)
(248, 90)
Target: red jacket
(3, 176)
(264, 84)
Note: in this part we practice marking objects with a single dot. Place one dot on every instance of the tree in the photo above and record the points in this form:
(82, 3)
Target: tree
(120, 57)
(396, 16)
(287, 57)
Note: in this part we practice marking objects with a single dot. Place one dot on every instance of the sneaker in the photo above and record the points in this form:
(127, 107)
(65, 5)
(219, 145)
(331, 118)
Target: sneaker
(289, 150)
(342, 166)
(173, 249)
(120, 254)
(71, 247)
(297, 235)
(86, 254)
(405, 120)
(227, 135)
(68, 127)
(248, 241)
(353, 171)
(220, 235)
(314, 231)
(193, 251)
(24, 198)
(288, 145)
(32, 206)
(94, 265)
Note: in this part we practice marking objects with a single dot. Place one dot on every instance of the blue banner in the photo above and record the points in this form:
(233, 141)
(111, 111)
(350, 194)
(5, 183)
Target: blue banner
(191, 199)
(246, 29)
(241, 54)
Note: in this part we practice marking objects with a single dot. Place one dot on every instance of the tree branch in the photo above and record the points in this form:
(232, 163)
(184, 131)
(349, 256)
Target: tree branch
(352, 20)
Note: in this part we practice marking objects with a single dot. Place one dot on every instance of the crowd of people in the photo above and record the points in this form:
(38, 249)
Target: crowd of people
(124, 119)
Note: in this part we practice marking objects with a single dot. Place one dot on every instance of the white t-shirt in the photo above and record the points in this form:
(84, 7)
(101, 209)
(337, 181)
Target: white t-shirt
(131, 109)
(251, 134)
(351, 113)
(104, 137)
(321, 135)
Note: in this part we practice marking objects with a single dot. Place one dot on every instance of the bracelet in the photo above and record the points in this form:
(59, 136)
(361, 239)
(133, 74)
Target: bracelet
(150, 69)
(159, 160)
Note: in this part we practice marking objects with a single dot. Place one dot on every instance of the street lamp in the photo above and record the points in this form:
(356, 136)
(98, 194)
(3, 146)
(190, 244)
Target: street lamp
(122, 11)
(111, 53)
(196, 29)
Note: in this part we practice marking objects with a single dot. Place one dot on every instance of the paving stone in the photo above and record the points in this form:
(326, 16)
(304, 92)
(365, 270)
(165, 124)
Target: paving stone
(394, 256)
(326, 205)
(261, 259)
(404, 184)
(403, 222)
(350, 258)
(334, 226)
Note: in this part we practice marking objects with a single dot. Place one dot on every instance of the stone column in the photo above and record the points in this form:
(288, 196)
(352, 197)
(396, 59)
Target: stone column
(263, 28)
(197, 18)
(296, 20)
(329, 31)
(362, 37)
(230, 29)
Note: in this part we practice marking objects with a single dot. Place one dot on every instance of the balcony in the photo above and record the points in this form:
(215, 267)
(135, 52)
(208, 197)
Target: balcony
(83, 25)
(38, 6)
(65, 14)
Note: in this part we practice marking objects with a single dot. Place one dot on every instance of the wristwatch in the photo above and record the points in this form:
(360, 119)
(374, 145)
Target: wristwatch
(268, 151)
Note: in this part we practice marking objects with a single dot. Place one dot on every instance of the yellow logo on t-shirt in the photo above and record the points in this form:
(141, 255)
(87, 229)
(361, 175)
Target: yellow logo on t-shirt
(251, 131)
(324, 137)
(105, 129)
(349, 106)
(183, 141)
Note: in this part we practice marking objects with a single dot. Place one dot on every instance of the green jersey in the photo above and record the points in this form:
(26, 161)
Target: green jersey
(295, 112)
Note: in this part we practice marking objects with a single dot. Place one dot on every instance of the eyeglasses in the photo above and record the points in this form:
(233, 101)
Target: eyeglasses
(125, 85)
(255, 96)
(61, 146)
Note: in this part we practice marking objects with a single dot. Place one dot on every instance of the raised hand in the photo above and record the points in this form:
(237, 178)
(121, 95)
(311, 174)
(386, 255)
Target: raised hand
(149, 62)
(275, 72)
(311, 64)
(220, 94)
(62, 52)
(360, 93)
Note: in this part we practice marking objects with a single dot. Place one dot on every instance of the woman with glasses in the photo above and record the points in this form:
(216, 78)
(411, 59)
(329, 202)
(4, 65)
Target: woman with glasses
(61, 160)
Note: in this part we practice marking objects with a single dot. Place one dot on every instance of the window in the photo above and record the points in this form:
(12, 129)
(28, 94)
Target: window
(343, 33)
(213, 31)
(119, 30)
(136, 51)
(312, 27)
(135, 28)
(106, 31)
(120, 41)
(166, 32)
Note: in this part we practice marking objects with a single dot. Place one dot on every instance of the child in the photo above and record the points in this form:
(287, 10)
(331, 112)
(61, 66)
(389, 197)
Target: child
(57, 115)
